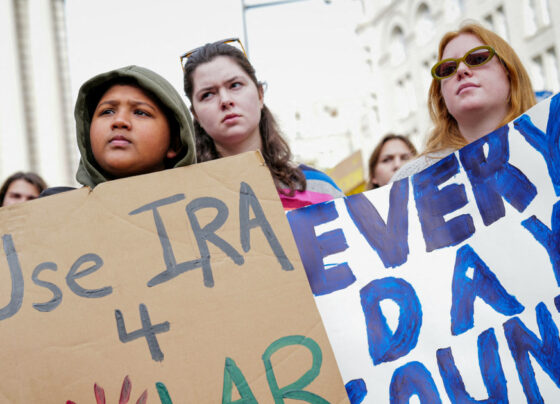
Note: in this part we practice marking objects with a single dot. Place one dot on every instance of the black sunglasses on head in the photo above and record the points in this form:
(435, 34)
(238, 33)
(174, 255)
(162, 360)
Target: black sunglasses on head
(183, 58)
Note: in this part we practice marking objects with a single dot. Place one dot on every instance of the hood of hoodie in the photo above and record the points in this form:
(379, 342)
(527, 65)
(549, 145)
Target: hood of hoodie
(89, 173)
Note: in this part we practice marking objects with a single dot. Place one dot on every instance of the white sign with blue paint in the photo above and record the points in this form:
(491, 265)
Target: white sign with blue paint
(445, 286)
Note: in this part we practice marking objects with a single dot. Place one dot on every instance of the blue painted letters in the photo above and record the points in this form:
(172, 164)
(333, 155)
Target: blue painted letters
(356, 390)
(493, 177)
(521, 341)
(549, 239)
(548, 144)
(389, 240)
(484, 284)
(384, 346)
(490, 367)
(312, 249)
(413, 379)
(433, 203)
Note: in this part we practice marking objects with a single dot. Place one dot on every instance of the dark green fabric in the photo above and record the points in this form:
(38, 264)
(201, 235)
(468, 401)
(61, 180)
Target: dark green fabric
(89, 173)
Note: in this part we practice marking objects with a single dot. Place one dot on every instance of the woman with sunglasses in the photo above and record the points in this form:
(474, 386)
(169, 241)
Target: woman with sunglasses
(230, 117)
(479, 84)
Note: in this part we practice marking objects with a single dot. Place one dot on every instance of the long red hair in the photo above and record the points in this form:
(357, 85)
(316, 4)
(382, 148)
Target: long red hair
(522, 97)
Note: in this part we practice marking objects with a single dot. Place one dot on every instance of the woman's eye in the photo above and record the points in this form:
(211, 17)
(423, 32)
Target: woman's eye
(141, 113)
(236, 84)
(447, 68)
(106, 111)
(206, 95)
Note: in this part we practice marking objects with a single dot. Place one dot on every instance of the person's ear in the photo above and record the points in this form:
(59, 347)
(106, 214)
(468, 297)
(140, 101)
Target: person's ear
(175, 146)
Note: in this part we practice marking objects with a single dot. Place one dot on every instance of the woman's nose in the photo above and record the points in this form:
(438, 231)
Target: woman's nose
(225, 98)
(463, 69)
(121, 120)
(397, 163)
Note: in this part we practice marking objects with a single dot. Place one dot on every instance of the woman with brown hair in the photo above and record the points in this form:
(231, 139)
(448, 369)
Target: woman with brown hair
(21, 187)
(390, 154)
(230, 117)
(479, 84)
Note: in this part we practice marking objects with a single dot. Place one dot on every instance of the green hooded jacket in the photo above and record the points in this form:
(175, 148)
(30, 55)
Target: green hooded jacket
(89, 173)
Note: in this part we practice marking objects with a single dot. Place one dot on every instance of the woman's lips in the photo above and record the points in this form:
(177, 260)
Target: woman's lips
(119, 141)
(465, 86)
(230, 118)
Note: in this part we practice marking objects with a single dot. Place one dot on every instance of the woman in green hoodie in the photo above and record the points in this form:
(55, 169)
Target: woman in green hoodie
(130, 121)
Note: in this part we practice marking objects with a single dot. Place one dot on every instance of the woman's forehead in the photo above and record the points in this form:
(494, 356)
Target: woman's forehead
(393, 146)
(462, 43)
(219, 68)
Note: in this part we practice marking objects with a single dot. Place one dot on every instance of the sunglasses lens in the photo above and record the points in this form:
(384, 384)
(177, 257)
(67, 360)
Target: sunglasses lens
(446, 68)
(478, 57)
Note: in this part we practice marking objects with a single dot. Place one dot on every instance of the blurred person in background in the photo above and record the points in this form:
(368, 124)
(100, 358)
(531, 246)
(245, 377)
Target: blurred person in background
(21, 187)
(230, 117)
(390, 154)
(479, 85)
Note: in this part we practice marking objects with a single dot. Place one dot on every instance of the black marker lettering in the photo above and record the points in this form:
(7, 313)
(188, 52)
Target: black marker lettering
(147, 331)
(57, 293)
(73, 274)
(16, 298)
(247, 199)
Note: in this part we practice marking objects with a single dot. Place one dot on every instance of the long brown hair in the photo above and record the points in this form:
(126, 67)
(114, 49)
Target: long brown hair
(376, 153)
(274, 149)
(446, 132)
(30, 177)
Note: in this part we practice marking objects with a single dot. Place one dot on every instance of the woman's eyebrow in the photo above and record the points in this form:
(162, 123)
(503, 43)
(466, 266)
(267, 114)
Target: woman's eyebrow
(109, 102)
(236, 77)
(212, 86)
(136, 103)
(203, 89)
(132, 102)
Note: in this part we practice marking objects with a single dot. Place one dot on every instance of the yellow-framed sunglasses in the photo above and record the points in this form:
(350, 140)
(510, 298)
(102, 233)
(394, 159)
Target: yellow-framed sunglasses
(183, 58)
(473, 58)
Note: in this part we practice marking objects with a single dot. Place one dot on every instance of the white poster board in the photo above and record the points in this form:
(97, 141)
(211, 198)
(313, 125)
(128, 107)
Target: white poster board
(445, 286)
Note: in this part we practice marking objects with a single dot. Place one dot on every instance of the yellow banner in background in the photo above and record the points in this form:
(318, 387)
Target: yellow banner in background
(349, 174)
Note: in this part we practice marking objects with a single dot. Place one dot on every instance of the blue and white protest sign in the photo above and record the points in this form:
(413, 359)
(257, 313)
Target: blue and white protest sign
(445, 286)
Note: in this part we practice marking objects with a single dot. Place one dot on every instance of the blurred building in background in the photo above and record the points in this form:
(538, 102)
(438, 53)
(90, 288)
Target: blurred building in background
(400, 40)
(36, 123)
(397, 41)
(389, 49)
(321, 105)
(325, 131)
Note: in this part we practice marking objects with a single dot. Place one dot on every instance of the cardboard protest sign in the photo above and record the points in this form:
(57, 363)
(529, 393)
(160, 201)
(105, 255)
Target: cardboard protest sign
(446, 285)
(187, 282)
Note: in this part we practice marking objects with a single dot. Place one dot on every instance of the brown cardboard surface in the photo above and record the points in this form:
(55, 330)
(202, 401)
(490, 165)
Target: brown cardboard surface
(58, 355)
